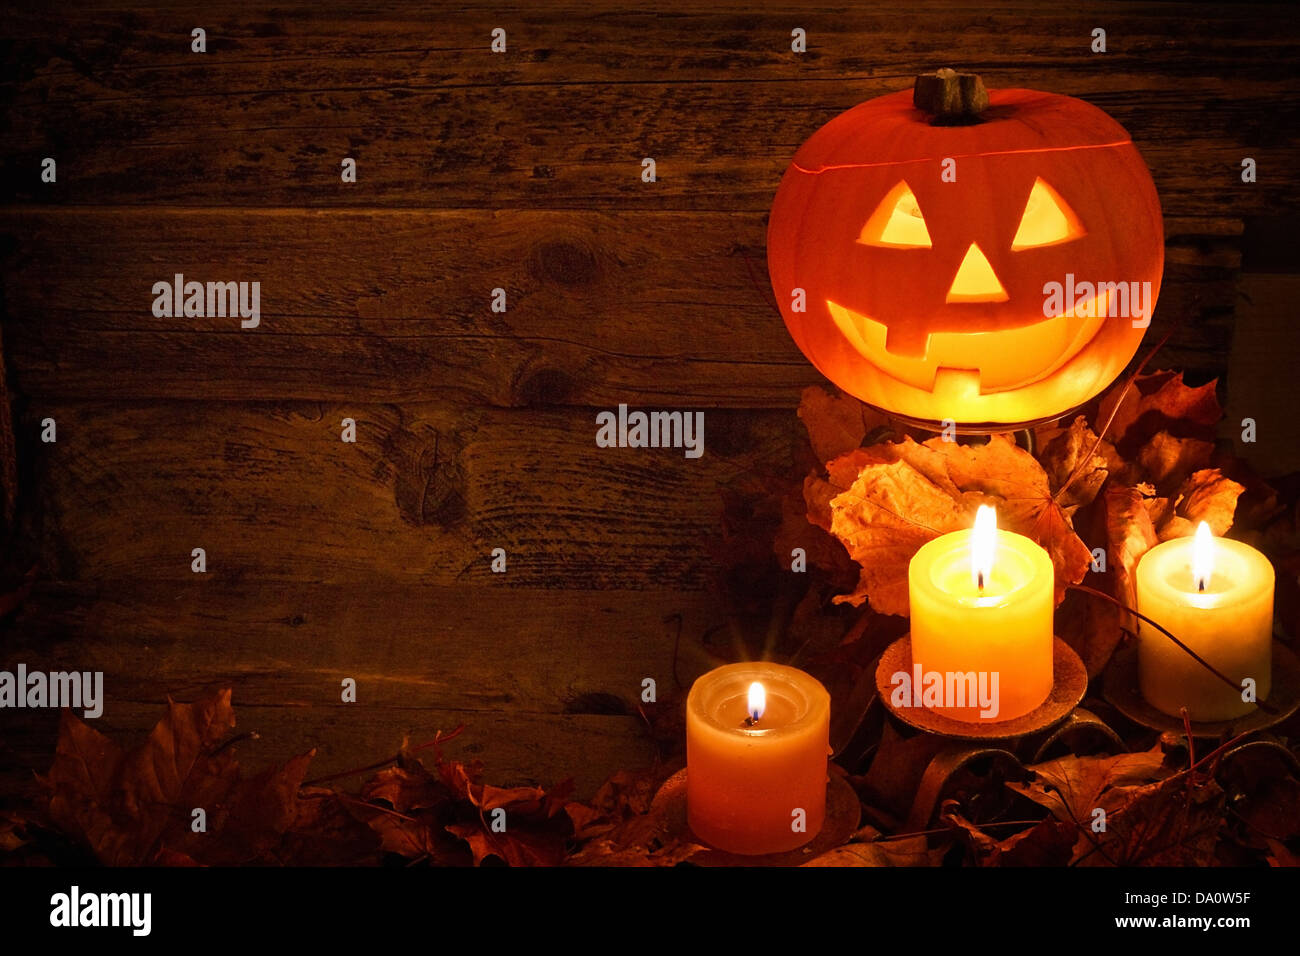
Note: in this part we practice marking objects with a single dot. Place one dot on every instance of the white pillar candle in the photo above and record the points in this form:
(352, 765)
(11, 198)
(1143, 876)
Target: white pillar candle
(1216, 596)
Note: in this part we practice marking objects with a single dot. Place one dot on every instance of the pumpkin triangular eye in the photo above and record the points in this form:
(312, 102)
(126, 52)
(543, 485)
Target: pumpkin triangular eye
(1047, 220)
(897, 221)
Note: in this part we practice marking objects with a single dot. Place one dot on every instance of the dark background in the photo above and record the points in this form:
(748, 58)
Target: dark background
(476, 430)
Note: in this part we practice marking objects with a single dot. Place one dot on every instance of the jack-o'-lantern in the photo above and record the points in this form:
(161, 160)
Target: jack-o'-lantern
(951, 254)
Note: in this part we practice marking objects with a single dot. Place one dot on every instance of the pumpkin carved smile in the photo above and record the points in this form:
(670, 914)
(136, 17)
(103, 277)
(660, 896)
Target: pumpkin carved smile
(1033, 351)
(924, 254)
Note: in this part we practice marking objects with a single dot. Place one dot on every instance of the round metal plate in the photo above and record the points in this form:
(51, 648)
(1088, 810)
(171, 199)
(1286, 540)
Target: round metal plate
(1123, 691)
(843, 812)
(1070, 683)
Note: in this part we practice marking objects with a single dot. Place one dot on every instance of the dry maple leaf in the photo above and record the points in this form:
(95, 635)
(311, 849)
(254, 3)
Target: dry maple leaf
(906, 494)
(515, 847)
(247, 820)
(130, 808)
(406, 786)
(1072, 788)
(1049, 842)
(623, 826)
(535, 828)
(1158, 402)
(1129, 535)
(868, 847)
(1076, 456)
(836, 423)
(1205, 495)
(1175, 822)
(326, 833)
(892, 780)
(1167, 461)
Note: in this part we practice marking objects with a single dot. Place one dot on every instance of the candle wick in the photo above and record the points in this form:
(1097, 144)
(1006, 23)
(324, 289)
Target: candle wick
(980, 579)
(751, 720)
(1200, 584)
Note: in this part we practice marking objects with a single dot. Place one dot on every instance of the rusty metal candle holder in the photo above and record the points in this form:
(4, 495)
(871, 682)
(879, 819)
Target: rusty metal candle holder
(1122, 690)
(1069, 683)
(843, 813)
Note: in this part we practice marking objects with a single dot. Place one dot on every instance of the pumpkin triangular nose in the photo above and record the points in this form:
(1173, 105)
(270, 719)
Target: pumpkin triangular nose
(975, 280)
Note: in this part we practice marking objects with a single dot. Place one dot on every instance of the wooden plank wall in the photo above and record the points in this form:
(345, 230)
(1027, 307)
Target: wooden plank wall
(477, 171)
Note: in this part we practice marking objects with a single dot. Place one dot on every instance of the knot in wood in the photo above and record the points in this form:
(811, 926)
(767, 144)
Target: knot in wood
(566, 262)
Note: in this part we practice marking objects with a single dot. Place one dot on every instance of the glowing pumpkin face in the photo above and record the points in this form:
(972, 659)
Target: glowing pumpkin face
(927, 255)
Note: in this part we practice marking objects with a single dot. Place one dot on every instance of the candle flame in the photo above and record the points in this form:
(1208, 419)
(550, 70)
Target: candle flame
(983, 543)
(1202, 556)
(757, 701)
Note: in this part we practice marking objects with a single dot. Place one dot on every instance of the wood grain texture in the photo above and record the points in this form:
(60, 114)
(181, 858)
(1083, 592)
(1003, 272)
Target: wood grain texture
(584, 93)
(272, 494)
(475, 429)
(393, 306)
(425, 659)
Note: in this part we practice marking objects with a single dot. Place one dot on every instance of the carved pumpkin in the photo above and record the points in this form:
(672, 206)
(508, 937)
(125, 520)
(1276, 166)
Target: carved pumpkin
(931, 298)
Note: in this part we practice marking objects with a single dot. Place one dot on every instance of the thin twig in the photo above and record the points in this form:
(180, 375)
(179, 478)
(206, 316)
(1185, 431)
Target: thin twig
(440, 738)
(1191, 745)
(1220, 750)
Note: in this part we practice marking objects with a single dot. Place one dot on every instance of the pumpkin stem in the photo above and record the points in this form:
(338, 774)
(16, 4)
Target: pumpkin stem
(951, 98)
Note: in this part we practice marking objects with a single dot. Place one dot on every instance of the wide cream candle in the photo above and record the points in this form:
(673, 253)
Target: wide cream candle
(757, 743)
(1216, 596)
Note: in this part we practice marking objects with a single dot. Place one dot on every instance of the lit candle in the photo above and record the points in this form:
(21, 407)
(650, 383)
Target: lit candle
(1216, 596)
(981, 618)
(757, 742)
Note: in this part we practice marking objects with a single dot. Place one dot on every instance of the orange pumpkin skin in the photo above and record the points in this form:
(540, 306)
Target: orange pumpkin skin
(878, 320)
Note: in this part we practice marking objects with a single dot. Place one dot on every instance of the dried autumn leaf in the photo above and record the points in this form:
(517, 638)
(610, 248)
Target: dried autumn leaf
(822, 549)
(80, 782)
(909, 852)
(415, 836)
(906, 494)
(1130, 534)
(535, 827)
(325, 833)
(1073, 787)
(251, 819)
(1206, 496)
(137, 807)
(1158, 402)
(515, 847)
(1076, 456)
(1280, 855)
(612, 853)
(407, 786)
(834, 422)
(1049, 842)
(1091, 626)
(1167, 461)
(1174, 822)
(121, 808)
(896, 769)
